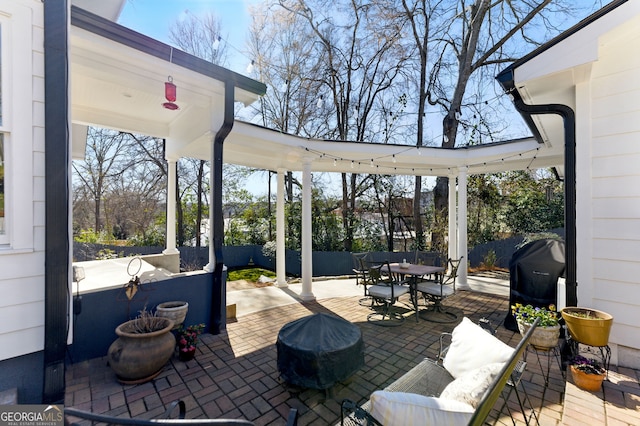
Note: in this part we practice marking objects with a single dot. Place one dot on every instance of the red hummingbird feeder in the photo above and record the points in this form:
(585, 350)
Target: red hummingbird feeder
(170, 94)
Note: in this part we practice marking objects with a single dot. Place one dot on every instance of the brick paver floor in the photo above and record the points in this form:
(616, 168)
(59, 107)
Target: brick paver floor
(234, 374)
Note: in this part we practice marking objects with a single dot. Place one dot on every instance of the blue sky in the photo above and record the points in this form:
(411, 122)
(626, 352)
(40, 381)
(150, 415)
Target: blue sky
(154, 18)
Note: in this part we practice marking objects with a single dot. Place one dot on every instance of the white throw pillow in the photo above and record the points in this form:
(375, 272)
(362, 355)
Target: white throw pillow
(407, 409)
(472, 347)
(470, 387)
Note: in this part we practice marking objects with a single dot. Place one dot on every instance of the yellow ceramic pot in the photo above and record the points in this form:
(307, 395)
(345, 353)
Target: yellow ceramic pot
(588, 326)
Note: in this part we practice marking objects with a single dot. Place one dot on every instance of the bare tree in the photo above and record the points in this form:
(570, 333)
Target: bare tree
(455, 40)
(105, 160)
(361, 57)
(202, 37)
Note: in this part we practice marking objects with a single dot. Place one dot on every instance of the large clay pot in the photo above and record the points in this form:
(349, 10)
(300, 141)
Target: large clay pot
(139, 357)
(543, 338)
(592, 331)
(583, 380)
(175, 310)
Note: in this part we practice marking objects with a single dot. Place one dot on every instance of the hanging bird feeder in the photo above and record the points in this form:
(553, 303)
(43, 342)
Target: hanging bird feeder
(170, 94)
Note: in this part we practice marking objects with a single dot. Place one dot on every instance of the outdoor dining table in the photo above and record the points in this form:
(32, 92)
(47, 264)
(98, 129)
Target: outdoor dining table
(414, 271)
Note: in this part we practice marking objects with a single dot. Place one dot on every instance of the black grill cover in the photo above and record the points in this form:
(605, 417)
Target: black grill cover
(534, 271)
(319, 350)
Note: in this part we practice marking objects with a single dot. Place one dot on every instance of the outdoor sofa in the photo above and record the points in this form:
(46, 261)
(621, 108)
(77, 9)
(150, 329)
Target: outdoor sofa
(459, 388)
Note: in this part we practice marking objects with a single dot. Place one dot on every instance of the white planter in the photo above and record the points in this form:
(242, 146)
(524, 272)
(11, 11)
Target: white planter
(174, 310)
(543, 338)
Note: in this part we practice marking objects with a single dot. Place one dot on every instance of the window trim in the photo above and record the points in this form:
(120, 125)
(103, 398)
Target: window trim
(23, 141)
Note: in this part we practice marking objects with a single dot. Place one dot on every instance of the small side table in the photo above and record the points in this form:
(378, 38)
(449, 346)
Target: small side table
(546, 356)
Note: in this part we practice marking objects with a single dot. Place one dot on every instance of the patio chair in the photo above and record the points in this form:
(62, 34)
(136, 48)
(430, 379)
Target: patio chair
(437, 291)
(360, 270)
(385, 290)
(430, 258)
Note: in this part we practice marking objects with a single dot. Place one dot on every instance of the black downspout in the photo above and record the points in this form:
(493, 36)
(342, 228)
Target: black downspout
(57, 257)
(219, 294)
(569, 121)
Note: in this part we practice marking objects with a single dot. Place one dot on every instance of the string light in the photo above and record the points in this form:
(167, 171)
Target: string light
(355, 164)
(320, 102)
(251, 66)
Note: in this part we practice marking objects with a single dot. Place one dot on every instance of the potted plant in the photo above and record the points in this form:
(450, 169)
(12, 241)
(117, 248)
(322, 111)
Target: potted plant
(587, 373)
(143, 347)
(175, 310)
(588, 326)
(546, 335)
(187, 341)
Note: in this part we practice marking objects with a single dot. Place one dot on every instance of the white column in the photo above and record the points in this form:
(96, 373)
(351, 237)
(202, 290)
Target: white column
(307, 263)
(171, 208)
(453, 223)
(281, 279)
(462, 283)
(211, 266)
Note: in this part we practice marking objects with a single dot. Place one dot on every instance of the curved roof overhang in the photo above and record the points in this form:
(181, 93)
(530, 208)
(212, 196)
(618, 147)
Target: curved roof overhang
(117, 81)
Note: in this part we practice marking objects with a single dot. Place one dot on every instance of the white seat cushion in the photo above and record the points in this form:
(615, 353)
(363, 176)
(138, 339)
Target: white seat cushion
(472, 347)
(406, 409)
(434, 289)
(384, 291)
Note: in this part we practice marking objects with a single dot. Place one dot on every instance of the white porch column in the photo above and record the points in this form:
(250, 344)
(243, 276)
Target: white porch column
(307, 264)
(281, 279)
(453, 223)
(211, 266)
(462, 282)
(170, 242)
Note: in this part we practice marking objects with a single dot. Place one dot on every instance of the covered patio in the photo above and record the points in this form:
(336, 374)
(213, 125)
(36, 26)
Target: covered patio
(235, 375)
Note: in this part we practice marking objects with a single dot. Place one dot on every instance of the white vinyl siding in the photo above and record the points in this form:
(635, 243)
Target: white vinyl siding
(22, 252)
(614, 152)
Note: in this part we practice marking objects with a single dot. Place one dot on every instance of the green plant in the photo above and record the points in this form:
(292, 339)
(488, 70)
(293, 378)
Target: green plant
(490, 259)
(529, 313)
(249, 274)
(188, 337)
(587, 365)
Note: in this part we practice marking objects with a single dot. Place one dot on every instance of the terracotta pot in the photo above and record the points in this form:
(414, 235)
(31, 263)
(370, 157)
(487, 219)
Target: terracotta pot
(543, 338)
(175, 310)
(592, 331)
(590, 382)
(139, 357)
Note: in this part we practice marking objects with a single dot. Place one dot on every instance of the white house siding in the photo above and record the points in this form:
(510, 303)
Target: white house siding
(614, 189)
(22, 261)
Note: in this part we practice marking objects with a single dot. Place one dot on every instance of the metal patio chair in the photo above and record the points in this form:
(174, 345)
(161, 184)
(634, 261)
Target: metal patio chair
(385, 290)
(438, 290)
